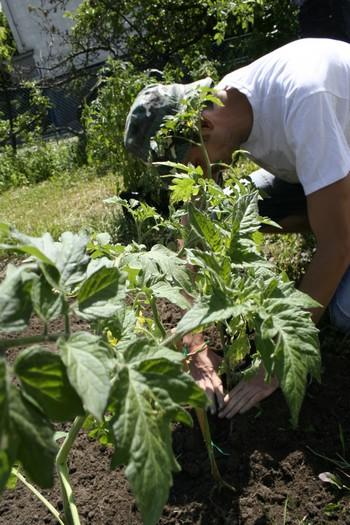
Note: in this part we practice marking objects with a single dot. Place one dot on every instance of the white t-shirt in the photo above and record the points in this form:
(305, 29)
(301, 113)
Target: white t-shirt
(300, 97)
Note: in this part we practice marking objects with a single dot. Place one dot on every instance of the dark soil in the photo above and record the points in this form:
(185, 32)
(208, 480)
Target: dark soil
(274, 468)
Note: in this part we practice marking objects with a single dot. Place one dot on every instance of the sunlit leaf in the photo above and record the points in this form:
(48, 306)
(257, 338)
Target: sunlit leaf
(88, 368)
(15, 301)
(102, 294)
(8, 443)
(43, 376)
(48, 303)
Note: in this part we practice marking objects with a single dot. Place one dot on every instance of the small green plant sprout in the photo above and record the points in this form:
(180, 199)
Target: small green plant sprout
(129, 381)
(333, 479)
(340, 480)
(145, 218)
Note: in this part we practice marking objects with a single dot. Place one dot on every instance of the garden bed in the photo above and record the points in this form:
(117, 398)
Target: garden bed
(275, 469)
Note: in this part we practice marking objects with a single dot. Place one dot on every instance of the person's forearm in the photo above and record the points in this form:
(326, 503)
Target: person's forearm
(323, 276)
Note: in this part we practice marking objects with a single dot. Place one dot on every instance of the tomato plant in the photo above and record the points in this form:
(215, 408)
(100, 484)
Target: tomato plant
(133, 376)
(126, 372)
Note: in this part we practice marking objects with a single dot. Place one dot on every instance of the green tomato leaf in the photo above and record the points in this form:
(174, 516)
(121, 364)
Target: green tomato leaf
(246, 218)
(48, 303)
(219, 266)
(182, 189)
(207, 230)
(88, 367)
(208, 310)
(68, 255)
(121, 327)
(102, 294)
(288, 343)
(36, 446)
(8, 443)
(141, 351)
(172, 409)
(43, 248)
(96, 264)
(146, 396)
(179, 386)
(15, 302)
(238, 349)
(44, 378)
(171, 293)
(159, 263)
(143, 444)
(245, 223)
(72, 260)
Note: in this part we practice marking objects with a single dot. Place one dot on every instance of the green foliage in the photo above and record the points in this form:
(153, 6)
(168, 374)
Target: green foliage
(185, 39)
(185, 124)
(235, 285)
(7, 44)
(140, 218)
(153, 385)
(129, 375)
(35, 162)
(104, 122)
(138, 380)
(184, 35)
(36, 448)
(17, 125)
(45, 379)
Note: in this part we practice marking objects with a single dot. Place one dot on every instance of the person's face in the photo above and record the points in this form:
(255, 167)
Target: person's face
(217, 148)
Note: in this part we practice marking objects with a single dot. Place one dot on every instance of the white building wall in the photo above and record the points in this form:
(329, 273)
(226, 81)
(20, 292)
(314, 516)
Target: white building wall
(40, 32)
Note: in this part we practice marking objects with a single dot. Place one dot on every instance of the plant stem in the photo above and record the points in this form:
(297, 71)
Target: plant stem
(204, 151)
(23, 341)
(285, 511)
(171, 340)
(70, 508)
(227, 368)
(66, 325)
(42, 498)
(205, 429)
(155, 313)
(138, 232)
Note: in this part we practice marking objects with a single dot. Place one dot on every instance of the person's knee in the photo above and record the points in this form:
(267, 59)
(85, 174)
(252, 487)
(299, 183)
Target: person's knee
(339, 319)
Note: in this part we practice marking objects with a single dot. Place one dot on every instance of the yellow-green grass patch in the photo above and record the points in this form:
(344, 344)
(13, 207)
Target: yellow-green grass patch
(71, 202)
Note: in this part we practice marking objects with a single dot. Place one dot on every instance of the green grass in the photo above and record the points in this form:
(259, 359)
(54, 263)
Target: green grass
(69, 202)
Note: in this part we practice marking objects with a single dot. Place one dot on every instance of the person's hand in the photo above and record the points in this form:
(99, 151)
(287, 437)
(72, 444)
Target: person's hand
(203, 365)
(247, 394)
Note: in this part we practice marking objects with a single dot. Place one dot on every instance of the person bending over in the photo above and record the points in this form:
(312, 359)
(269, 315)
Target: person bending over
(290, 110)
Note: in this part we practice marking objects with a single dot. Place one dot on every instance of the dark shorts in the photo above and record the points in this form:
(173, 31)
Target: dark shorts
(280, 199)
